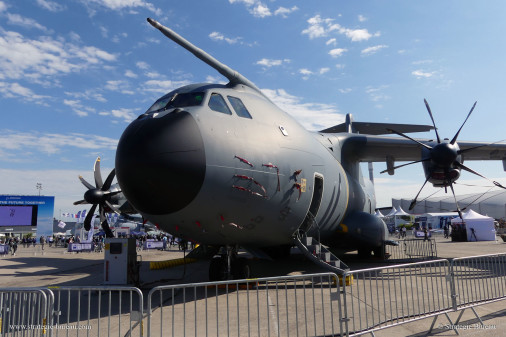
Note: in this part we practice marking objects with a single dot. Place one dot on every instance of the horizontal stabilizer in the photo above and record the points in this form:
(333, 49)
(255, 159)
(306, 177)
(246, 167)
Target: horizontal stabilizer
(377, 128)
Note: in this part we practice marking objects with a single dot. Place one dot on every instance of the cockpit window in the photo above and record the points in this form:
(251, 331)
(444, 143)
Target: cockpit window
(217, 103)
(177, 101)
(239, 107)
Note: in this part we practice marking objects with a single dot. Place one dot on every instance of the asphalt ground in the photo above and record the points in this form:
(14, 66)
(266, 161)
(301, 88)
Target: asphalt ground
(34, 267)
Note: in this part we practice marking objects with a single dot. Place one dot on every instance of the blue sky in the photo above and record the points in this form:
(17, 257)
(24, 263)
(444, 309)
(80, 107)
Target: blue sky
(74, 73)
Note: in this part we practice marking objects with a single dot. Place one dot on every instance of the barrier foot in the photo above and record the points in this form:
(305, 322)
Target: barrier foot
(449, 320)
(477, 316)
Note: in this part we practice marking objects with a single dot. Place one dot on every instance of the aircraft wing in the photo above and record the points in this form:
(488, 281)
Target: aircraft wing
(370, 148)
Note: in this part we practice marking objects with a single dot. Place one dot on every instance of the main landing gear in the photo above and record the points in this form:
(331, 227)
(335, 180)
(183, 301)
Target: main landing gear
(228, 266)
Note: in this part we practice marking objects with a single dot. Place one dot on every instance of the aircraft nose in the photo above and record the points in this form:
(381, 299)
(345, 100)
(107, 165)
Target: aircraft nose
(160, 162)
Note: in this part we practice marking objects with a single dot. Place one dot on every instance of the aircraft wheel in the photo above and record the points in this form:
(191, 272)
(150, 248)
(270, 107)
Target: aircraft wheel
(217, 269)
(380, 252)
(241, 269)
(364, 253)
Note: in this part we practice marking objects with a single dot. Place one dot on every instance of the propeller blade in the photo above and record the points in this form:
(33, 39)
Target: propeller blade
(96, 172)
(87, 220)
(477, 147)
(433, 123)
(457, 134)
(101, 212)
(413, 162)
(465, 168)
(108, 180)
(107, 229)
(85, 183)
(112, 207)
(408, 137)
(456, 203)
(413, 203)
(80, 202)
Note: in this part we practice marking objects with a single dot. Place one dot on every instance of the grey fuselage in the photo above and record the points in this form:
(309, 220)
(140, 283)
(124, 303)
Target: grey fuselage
(220, 178)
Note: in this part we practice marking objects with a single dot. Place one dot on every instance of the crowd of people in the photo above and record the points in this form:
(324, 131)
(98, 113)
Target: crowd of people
(98, 241)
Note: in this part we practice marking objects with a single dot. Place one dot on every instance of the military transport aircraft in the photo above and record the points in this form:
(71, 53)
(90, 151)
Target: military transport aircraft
(224, 166)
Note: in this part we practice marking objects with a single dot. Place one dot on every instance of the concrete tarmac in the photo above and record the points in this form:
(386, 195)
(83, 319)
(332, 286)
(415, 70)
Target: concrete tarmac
(34, 267)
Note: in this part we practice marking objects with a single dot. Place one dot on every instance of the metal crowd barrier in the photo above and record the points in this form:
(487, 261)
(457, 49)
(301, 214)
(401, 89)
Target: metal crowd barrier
(383, 297)
(479, 279)
(97, 311)
(303, 305)
(24, 311)
(412, 249)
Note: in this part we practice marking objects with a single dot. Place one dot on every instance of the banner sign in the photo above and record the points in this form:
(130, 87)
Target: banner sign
(153, 245)
(421, 234)
(80, 247)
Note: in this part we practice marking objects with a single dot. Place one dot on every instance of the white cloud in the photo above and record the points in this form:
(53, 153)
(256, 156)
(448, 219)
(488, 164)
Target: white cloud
(313, 116)
(142, 65)
(362, 18)
(216, 36)
(52, 143)
(51, 6)
(337, 52)
(373, 50)
(332, 41)
(127, 115)
(305, 71)
(130, 74)
(3, 6)
(323, 70)
(89, 94)
(260, 10)
(255, 7)
(78, 107)
(356, 35)
(33, 60)
(16, 19)
(124, 4)
(285, 11)
(422, 74)
(16, 90)
(271, 63)
(345, 90)
(376, 93)
(322, 27)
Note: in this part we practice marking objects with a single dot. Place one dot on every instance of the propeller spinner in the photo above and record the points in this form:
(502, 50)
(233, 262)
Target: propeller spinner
(442, 162)
(98, 195)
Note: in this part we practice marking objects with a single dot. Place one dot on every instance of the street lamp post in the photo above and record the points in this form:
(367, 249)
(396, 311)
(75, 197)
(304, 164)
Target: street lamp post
(39, 187)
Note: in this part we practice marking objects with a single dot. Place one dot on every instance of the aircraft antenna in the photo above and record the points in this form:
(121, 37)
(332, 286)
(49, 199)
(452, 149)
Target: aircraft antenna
(232, 75)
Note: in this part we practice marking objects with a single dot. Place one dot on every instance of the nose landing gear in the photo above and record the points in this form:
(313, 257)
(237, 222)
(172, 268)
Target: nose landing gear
(228, 266)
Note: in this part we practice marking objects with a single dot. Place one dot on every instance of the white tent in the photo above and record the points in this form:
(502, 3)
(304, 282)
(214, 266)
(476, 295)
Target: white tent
(483, 226)
(379, 214)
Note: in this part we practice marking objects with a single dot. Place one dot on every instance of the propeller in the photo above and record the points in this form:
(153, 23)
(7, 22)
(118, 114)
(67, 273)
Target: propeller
(443, 161)
(99, 195)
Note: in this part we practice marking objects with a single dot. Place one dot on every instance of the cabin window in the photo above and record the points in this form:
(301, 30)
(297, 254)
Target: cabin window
(217, 103)
(239, 107)
(177, 101)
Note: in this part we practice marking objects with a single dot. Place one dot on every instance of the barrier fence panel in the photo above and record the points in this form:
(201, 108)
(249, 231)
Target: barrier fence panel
(24, 311)
(479, 279)
(303, 305)
(378, 298)
(411, 249)
(97, 311)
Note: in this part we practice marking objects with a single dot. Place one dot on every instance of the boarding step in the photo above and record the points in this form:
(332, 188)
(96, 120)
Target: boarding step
(319, 254)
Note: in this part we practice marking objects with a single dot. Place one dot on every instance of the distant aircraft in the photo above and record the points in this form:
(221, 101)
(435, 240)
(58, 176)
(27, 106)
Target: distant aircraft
(224, 166)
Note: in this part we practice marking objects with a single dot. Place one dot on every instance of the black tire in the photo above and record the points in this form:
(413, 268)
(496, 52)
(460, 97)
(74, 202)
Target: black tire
(217, 269)
(241, 269)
